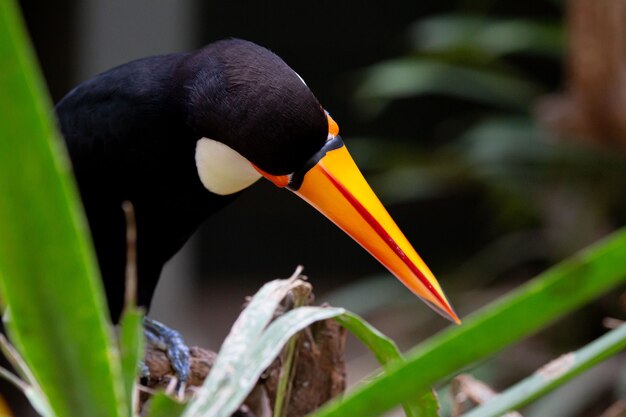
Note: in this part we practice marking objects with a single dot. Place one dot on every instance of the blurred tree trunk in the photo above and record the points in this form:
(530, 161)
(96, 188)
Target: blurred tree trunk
(593, 106)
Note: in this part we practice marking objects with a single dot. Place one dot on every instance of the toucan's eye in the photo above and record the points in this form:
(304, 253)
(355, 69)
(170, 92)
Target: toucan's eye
(333, 127)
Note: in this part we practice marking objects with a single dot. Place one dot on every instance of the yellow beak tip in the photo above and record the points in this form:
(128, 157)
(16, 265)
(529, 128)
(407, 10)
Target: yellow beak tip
(451, 315)
(334, 185)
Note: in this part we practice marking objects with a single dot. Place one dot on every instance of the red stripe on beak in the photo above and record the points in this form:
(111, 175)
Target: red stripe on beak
(335, 187)
(390, 242)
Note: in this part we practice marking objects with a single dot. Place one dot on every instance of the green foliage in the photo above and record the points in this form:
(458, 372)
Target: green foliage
(554, 374)
(462, 57)
(386, 352)
(131, 351)
(162, 405)
(483, 38)
(528, 309)
(48, 278)
(255, 341)
(410, 77)
(28, 384)
(250, 348)
(55, 309)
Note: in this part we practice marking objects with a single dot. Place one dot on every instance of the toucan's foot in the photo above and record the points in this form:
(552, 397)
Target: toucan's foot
(172, 343)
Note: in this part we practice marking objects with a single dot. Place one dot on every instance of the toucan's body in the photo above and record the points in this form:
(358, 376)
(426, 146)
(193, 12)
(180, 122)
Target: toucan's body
(128, 141)
(180, 135)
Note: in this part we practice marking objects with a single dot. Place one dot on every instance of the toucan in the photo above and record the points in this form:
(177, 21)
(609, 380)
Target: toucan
(181, 135)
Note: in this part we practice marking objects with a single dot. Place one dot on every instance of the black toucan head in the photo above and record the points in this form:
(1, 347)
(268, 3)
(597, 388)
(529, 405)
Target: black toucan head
(257, 118)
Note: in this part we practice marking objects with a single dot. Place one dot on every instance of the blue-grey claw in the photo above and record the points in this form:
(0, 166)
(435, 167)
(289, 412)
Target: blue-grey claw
(172, 343)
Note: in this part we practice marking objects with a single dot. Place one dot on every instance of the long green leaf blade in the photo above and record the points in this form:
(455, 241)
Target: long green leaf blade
(533, 306)
(48, 276)
(131, 351)
(554, 375)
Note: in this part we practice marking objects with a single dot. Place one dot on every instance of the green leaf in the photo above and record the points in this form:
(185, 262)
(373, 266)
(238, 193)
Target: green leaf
(252, 345)
(530, 308)
(486, 37)
(39, 403)
(48, 275)
(131, 351)
(227, 386)
(252, 321)
(35, 397)
(383, 348)
(300, 295)
(161, 405)
(28, 384)
(553, 375)
(237, 350)
(386, 352)
(409, 77)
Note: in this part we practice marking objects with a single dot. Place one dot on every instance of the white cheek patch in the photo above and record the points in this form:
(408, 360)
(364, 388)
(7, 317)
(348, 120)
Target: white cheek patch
(221, 169)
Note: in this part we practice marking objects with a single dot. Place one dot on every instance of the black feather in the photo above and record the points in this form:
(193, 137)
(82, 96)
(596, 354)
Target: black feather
(132, 132)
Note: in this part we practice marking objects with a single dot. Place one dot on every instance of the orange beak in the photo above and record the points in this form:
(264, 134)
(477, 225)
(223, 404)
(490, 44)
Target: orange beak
(332, 183)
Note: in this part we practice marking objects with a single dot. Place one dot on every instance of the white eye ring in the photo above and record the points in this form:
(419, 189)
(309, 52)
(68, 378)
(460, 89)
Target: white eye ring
(221, 169)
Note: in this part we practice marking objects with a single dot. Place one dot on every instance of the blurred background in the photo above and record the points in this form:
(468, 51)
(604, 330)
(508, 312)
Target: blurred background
(493, 131)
